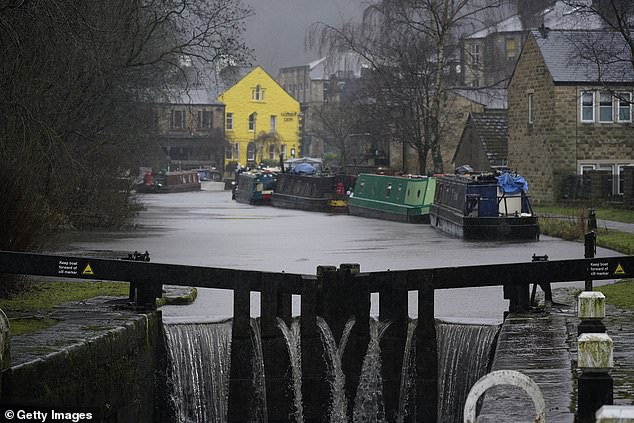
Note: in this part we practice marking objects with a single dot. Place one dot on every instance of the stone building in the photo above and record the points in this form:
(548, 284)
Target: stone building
(484, 142)
(191, 129)
(567, 114)
(489, 55)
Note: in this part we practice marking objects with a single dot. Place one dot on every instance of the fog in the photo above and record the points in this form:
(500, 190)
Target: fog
(278, 29)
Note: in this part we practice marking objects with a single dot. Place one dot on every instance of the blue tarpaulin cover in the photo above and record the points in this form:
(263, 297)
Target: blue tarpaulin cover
(512, 184)
(303, 169)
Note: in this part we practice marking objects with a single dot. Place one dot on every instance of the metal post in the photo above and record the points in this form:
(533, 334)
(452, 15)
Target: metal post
(590, 245)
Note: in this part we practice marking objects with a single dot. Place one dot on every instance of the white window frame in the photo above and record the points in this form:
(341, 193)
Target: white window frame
(273, 124)
(272, 151)
(581, 106)
(229, 121)
(283, 151)
(628, 105)
(603, 107)
(236, 151)
(251, 152)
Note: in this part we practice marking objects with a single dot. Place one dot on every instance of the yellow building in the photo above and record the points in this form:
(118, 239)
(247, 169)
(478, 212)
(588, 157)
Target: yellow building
(262, 120)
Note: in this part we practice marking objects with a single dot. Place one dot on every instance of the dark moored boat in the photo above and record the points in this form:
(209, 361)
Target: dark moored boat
(178, 181)
(484, 207)
(323, 193)
(255, 187)
(398, 198)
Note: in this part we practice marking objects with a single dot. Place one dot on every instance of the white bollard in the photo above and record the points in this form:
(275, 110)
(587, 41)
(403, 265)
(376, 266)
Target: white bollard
(615, 414)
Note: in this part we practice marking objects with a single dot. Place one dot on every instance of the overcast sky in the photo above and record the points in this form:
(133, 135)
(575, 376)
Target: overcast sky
(278, 29)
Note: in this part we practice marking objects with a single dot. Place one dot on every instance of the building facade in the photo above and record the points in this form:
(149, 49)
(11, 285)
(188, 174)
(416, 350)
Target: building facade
(262, 121)
(191, 129)
(566, 115)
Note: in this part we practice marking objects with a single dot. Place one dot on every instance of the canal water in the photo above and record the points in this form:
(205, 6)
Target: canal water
(209, 229)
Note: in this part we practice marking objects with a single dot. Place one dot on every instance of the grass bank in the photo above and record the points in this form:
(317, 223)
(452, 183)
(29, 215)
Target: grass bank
(571, 223)
(27, 311)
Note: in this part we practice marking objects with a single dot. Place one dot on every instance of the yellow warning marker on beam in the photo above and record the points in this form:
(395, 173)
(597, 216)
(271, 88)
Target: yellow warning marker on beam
(619, 270)
(88, 270)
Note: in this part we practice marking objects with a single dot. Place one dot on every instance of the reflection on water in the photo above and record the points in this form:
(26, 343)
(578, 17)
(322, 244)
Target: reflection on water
(209, 229)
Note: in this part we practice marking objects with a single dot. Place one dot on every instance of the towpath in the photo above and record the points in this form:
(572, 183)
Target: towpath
(544, 347)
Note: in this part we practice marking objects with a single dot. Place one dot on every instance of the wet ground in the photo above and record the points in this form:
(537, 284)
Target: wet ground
(209, 229)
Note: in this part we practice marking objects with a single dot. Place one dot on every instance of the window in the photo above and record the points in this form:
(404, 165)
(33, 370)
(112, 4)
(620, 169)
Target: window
(283, 151)
(475, 83)
(236, 151)
(229, 121)
(252, 118)
(257, 93)
(530, 108)
(605, 107)
(272, 151)
(475, 54)
(204, 119)
(625, 107)
(511, 48)
(251, 151)
(178, 119)
(587, 106)
(228, 152)
(273, 123)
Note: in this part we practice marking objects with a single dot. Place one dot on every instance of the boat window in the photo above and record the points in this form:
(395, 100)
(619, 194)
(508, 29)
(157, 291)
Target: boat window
(418, 194)
(389, 190)
(361, 185)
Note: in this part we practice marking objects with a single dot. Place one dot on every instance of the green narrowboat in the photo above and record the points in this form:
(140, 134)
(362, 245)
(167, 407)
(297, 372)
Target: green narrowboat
(398, 198)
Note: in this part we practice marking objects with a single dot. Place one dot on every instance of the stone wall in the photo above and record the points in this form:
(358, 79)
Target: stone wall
(112, 375)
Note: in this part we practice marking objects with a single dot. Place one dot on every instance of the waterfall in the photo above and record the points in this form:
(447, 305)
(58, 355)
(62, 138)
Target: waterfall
(463, 357)
(200, 356)
(293, 343)
(338, 408)
(259, 413)
(368, 404)
(408, 371)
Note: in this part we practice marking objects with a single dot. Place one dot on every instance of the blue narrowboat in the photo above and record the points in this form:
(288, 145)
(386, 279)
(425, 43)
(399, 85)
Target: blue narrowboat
(255, 187)
(484, 207)
(397, 198)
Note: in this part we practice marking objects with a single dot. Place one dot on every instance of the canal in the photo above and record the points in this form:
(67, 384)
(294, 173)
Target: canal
(209, 229)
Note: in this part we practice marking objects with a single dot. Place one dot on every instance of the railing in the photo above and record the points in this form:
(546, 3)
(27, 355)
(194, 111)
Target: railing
(336, 294)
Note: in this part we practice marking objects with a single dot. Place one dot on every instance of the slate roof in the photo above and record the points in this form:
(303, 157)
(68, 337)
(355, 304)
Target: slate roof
(490, 98)
(492, 130)
(585, 56)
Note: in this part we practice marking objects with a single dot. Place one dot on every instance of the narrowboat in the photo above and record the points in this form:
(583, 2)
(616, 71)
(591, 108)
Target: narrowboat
(398, 198)
(306, 192)
(255, 187)
(484, 207)
(165, 182)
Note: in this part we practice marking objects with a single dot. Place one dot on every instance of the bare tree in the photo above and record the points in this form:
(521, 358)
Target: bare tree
(77, 81)
(411, 46)
(618, 15)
